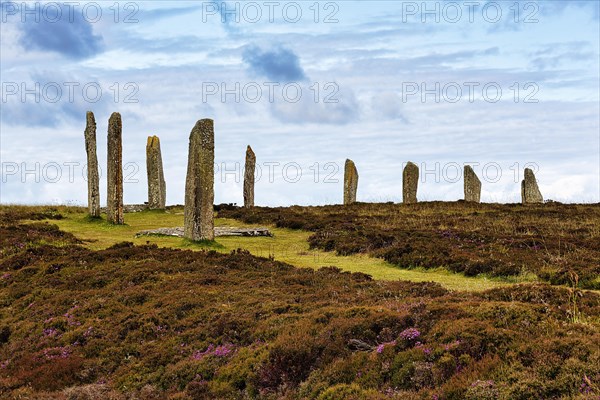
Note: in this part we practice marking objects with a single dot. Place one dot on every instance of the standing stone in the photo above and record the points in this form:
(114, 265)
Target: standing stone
(530, 192)
(249, 178)
(199, 183)
(157, 190)
(350, 182)
(114, 170)
(93, 179)
(472, 185)
(410, 182)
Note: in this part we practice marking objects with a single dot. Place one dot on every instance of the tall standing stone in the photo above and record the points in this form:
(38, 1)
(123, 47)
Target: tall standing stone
(350, 182)
(472, 185)
(93, 180)
(114, 171)
(157, 190)
(249, 171)
(530, 192)
(199, 183)
(410, 182)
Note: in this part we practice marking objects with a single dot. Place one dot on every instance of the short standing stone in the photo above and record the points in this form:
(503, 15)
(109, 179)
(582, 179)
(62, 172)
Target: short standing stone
(114, 170)
(157, 192)
(93, 180)
(199, 183)
(472, 185)
(249, 177)
(410, 182)
(530, 192)
(350, 182)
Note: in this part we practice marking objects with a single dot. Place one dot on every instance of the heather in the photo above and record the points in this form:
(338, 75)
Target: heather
(143, 321)
(550, 241)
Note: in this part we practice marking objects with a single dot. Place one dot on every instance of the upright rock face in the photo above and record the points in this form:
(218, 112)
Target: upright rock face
(114, 171)
(93, 179)
(472, 185)
(350, 182)
(157, 190)
(530, 192)
(199, 183)
(410, 182)
(249, 178)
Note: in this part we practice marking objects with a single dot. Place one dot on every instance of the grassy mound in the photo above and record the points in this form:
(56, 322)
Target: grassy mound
(145, 322)
(287, 245)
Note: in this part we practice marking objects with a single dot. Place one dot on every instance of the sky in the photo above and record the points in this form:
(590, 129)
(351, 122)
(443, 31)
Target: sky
(498, 85)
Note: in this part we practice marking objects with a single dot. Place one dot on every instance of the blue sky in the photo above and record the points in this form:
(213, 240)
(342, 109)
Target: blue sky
(381, 82)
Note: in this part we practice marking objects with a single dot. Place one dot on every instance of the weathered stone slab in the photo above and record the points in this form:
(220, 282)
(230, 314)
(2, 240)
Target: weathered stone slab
(410, 183)
(199, 184)
(114, 171)
(530, 192)
(93, 179)
(350, 182)
(249, 177)
(157, 191)
(219, 231)
(472, 185)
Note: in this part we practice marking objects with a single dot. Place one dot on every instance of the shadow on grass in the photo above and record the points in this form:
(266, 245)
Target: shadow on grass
(203, 244)
(89, 219)
(101, 222)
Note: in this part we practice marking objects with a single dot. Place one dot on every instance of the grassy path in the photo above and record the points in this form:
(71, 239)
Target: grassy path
(286, 245)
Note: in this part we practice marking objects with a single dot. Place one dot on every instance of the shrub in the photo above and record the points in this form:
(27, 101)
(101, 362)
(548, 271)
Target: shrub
(349, 392)
(93, 392)
(482, 390)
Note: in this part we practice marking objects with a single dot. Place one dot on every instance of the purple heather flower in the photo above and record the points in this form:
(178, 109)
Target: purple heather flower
(382, 346)
(57, 352)
(421, 346)
(410, 334)
(71, 318)
(222, 351)
(51, 332)
(585, 387)
(219, 351)
(449, 346)
(199, 355)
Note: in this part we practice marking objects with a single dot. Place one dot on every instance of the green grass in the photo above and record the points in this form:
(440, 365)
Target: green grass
(286, 245)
